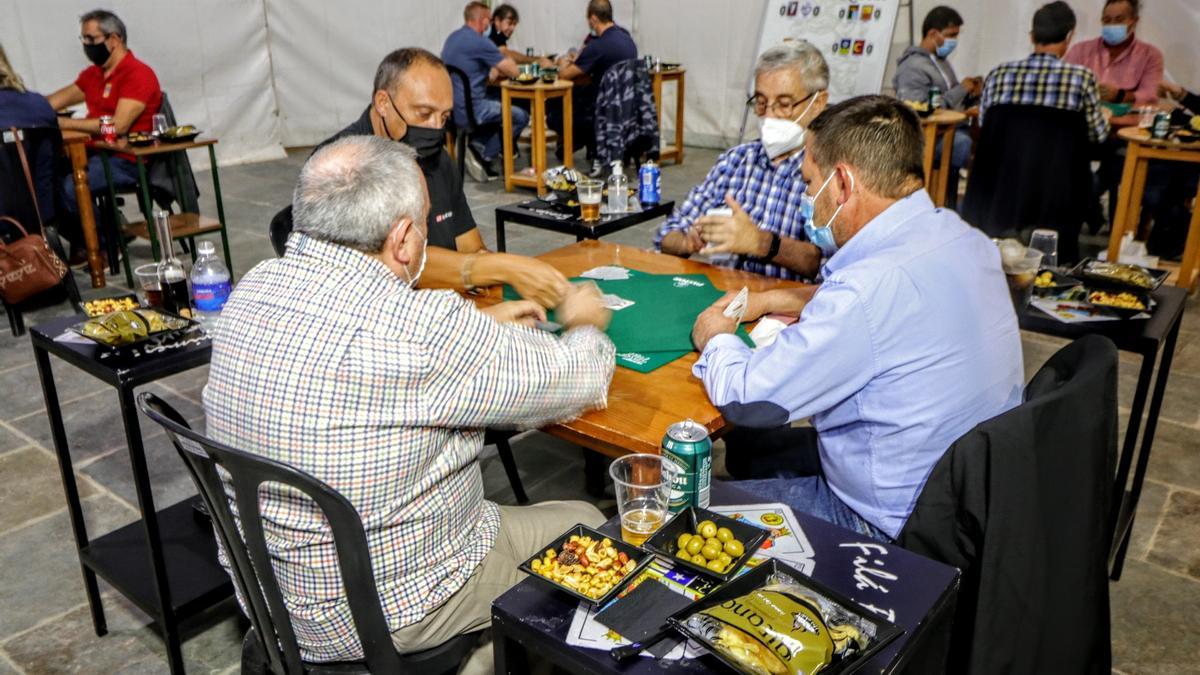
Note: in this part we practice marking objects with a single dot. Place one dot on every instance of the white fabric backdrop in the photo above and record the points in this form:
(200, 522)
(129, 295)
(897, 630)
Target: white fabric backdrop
(210, 56)
(263, 74)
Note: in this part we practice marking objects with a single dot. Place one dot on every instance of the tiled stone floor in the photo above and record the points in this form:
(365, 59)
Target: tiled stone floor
(44, 621)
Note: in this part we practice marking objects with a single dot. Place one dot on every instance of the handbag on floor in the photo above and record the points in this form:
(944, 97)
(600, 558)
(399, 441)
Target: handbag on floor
(27, 265)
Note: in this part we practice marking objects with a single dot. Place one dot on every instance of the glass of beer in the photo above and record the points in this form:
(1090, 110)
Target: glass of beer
(147, 276)
(590, 193)
(643, 488)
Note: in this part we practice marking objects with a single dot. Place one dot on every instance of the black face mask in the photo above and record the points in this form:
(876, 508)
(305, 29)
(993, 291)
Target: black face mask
(97, 53)
(427, 141)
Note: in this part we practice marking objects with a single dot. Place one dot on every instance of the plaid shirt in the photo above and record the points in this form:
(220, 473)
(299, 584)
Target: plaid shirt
(327, 362)
(1044, 79)
(770, 194)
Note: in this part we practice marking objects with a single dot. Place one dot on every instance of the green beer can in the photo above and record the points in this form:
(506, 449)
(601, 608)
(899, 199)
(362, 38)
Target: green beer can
(688, 445)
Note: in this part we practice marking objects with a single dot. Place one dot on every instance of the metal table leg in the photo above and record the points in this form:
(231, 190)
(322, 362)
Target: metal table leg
(500, 231)
(67, 471)
(1139, 474)
(141, 479)
(1145, 377)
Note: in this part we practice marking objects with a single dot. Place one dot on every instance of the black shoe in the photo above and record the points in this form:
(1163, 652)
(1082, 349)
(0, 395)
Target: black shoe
(490, 170)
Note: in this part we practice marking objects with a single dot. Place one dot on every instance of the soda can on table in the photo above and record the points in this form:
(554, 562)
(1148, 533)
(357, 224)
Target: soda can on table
(650, 183)
(1162, 125)
(687, 445)
(108, 129)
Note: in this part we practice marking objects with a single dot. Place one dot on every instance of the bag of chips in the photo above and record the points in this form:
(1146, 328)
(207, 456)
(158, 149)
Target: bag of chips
(781, 628)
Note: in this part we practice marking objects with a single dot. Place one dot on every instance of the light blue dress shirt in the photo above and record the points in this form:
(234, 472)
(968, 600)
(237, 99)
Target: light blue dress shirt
(909, 343)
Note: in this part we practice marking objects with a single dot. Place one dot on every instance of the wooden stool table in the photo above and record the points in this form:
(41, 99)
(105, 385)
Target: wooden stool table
(675, 75)
(1140, 149)
(75, 145)
(538, 93)
(941, 123)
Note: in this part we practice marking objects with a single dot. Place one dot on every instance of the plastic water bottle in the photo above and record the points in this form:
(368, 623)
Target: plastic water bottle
(210, 284)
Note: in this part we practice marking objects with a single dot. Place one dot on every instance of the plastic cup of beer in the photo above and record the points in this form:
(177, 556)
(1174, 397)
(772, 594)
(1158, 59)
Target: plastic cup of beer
(1020, 272)
(643, 489)
(147, 276)
(590, 193)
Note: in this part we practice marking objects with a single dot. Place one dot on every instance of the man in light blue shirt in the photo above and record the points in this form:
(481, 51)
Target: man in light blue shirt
(909, 342)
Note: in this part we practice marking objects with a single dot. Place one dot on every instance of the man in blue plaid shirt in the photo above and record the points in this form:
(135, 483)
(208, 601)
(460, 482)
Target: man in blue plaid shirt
(760, 181)
(330, 360)
(1043, 78)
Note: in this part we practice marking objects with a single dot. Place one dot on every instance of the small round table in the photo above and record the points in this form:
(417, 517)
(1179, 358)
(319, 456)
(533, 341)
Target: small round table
(940, 123)
(538, 93)
(1141, 148)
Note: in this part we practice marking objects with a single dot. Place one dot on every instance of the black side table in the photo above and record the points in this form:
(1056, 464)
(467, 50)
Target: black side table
(166, 563)
(1150, 338)
(531, 214)
(917, 593)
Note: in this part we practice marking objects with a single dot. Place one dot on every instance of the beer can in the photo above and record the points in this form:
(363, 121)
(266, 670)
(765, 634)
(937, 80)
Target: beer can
(650, 183)
(108, 129)
(935, 98)
(687, 445)
(1162, 125)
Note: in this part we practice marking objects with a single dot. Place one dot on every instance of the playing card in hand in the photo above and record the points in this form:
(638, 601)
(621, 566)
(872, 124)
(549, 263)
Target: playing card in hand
(614, 302)
(737, 308)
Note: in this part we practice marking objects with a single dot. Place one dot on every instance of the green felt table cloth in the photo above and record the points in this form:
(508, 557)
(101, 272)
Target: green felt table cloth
(657, 328)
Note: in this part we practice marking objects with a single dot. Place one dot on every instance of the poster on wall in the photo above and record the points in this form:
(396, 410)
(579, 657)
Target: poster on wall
(854, 37)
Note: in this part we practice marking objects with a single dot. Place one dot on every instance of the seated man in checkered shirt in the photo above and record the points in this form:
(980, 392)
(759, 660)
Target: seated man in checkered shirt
(760, 180)
(330, 360)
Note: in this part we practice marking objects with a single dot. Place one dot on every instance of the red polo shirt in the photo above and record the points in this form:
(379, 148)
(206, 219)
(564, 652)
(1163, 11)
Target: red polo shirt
(130, 79)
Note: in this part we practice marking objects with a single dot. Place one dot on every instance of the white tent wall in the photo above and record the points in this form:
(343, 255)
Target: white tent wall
(263, 74)
(210, 57)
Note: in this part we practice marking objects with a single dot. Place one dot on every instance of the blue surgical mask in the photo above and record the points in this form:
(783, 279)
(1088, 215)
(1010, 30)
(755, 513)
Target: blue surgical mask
(1114, 33)
(947, 46)
(821, 236)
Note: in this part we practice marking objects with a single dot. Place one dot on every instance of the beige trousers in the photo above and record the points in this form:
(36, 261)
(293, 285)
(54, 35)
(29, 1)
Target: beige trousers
(523, 531)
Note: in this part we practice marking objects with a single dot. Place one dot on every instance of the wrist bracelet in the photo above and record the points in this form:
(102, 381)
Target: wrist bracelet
(773, 250)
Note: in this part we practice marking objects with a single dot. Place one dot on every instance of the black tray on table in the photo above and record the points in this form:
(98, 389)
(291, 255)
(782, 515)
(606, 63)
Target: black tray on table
(664, 544)
(1083, 272)
(639, 557)
(885, 631)
(184, 324)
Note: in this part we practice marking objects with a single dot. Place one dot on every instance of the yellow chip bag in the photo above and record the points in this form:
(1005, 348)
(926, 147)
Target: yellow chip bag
(775, 630)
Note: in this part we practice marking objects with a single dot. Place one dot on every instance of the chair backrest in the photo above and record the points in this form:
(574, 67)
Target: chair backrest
(462, 94)
(164, 176)
(626, 118)
(1031, 169)
(1021, 504)
(249, 558)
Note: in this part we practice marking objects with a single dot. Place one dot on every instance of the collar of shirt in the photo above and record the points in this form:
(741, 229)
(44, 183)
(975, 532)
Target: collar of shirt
(338, 256)
(879, 230)
(1040, 57)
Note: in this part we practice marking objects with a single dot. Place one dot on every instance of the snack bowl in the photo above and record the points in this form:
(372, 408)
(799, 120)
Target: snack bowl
(1104, 299)
(1057, 283)
(180, 134)
(635, 555)
(665, 542)
(856, 637)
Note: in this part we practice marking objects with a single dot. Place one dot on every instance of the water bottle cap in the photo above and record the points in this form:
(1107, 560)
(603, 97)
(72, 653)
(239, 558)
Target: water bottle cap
(206, 248)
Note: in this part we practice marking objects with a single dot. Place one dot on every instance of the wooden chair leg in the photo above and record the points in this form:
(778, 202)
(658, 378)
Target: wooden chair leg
(510, 467)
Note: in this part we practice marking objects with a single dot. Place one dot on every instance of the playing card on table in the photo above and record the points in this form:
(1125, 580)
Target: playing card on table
(614, 302)
(737, 309)
(607, 273)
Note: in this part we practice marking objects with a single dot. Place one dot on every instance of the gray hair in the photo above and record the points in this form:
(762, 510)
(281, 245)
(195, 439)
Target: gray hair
(110, 24)
(798, 54)
(352, 191)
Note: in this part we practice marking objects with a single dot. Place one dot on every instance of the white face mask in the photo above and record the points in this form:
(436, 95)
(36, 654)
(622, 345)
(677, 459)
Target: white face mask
(781, 136)
(412, 280)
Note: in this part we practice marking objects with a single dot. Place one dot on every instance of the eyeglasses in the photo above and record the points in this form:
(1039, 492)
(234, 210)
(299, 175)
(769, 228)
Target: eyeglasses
(93, 39)
(783, 106)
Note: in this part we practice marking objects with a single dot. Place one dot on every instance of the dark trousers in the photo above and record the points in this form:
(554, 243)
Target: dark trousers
(583, 122)
(780, 452)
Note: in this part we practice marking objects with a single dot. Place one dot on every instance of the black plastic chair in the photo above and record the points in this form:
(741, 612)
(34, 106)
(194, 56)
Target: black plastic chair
(270, 645)
(462, 135)
(281, 229)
